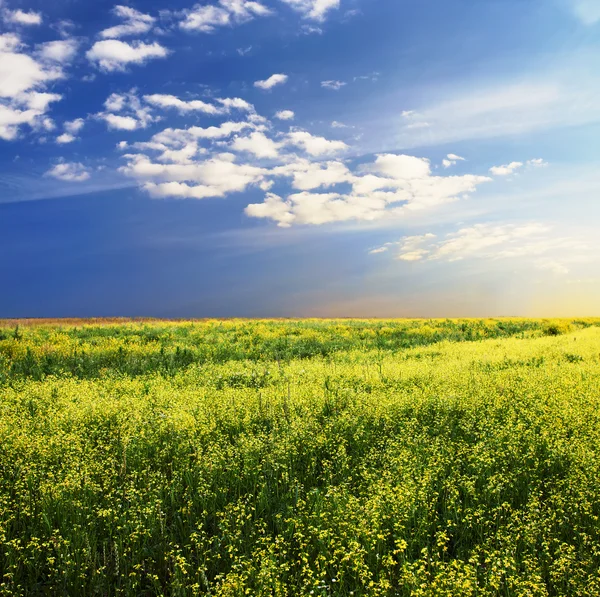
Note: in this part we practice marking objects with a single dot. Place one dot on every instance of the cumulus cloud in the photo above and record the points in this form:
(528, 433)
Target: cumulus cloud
(20, 72)
(23, 79)
(60, 51)
(214, 177)
(71, 128)
(20, 17)
(271, 82)
(69, 171)
(65, 138)
(135, 23)
(208, 17)
(492, 241)
(200, 162)
(333, 85)
(258, 144)
(74, 126)
(285, 115)
(314, 145)
(307, 175)
(391, 185)
(316, 10)
(170, 101)
(116, 55)
(125, 111)
(225, 105)
(507, 169)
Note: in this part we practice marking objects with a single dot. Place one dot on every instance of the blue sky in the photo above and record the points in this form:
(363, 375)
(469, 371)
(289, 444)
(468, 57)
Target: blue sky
(299, 158)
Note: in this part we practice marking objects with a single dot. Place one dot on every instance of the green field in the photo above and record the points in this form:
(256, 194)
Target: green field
(326, 458)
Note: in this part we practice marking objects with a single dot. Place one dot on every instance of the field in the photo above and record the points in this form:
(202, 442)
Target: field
(297, 458)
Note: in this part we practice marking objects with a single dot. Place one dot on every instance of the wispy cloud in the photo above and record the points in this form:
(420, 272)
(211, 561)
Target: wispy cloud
(502, 108)
(134, 23)
(333, 85)
(534, 241)
(272, 81)
(587, 10)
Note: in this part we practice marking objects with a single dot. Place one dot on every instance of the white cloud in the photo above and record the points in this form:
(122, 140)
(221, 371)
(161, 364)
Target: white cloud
(451, 160)
(214, 177)
(21, 79)
(235, 103)
(207, 18)
(414, 120)
(311, 30)
(339, 125)
(333, 85)
(587, 10)
(124, 111)
(564, 97)
(115, 102)
(170, 101)
(176, 138)
(20, 17)
(258, 144)
(307, 175)
(184, 107)
(74, 126)
(272, 208)
(27, 108)
(70, 172)
(115, 55)
(402, 167)
(272, 81)
(393, 185)
(411, 247)
(189, 162)
(20, 72)
(65, 138)
(314, 145)
(374, 76)
(534, 242)
(135, 23)
(537, 163)
(313, 9)
(121, 123)
(61, 51)
(507, 169)
(12, 118)
(285, 115)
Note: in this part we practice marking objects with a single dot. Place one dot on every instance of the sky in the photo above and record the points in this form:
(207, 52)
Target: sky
(299, 158)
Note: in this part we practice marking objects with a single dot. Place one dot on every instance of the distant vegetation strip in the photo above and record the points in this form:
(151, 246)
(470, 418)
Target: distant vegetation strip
(92, 348)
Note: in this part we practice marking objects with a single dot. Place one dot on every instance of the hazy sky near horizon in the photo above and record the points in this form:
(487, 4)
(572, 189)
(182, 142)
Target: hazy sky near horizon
(372, 158)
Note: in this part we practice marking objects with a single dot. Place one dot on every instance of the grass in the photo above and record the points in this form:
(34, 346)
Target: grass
(334, 458)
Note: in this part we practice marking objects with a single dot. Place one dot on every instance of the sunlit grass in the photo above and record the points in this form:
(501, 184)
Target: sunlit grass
(231, 458)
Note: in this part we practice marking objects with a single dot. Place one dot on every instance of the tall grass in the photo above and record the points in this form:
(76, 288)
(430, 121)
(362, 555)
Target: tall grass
(300, 458)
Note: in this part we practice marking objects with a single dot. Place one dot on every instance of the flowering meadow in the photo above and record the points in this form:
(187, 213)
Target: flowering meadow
(297, 458)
